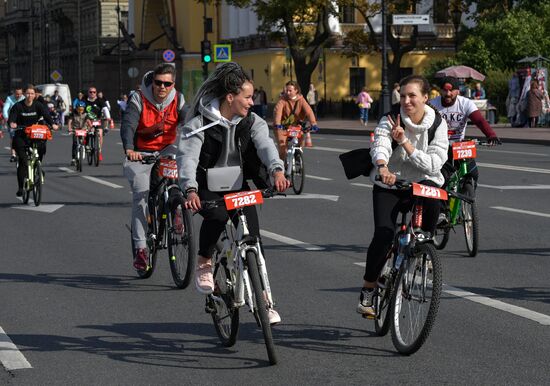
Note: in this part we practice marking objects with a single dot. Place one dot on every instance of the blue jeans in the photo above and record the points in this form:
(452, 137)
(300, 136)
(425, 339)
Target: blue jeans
(363, 114)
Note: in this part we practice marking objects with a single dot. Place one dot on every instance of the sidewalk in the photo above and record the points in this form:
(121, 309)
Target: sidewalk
(539, 136)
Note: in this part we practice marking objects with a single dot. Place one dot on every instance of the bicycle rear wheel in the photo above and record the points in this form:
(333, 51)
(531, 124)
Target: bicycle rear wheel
(26, 192)
(90, 142)
(260, 308)
(298, 172)
(441, 237)
(224, 313)
(383, 301)
(415, 300)
(37, 187)
(181, 244)
(470, 220)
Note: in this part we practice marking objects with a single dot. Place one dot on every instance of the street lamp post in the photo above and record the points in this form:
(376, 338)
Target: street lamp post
(119, 50)
(385, 93)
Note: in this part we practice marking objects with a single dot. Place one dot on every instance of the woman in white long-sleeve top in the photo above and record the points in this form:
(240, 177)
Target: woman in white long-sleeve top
(414, 158)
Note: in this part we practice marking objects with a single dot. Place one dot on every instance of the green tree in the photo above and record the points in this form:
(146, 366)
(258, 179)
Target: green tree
(305, 25)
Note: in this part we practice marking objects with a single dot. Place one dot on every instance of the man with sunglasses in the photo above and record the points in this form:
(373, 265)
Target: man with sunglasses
(96, 109)
(149, 125)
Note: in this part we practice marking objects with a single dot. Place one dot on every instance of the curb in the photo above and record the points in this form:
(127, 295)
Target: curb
(366, 133)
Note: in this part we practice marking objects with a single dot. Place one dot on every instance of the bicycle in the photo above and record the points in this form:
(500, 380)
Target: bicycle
(295, 169)
(240, 274)
(93, 145)
(35, 176)
(409, 288)
(80, 135)
(462, 208)
(169, 224)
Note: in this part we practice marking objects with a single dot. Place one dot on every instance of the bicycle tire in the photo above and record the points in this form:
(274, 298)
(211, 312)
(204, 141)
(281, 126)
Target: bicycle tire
(441, 237)
(152, 229)
(298, 176)
(97, 151)
(37, 187)
(181, 243)
(406, 302)
(26, 192)
(80, 156)
(224, 314)
(383, 305)
(90, 142)
(470, 221)
(260, 308)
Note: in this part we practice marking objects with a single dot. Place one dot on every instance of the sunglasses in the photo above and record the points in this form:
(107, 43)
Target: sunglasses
(92, 92)
(159, 83)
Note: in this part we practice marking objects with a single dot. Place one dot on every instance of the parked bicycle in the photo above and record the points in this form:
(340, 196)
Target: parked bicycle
(170, 225)
(295, 169)
(461, 209)
(240, 274)
(93, 145)
(35, 175)
(409, 288)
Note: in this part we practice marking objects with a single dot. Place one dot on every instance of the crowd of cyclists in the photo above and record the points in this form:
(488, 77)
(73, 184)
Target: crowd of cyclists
(219, 137)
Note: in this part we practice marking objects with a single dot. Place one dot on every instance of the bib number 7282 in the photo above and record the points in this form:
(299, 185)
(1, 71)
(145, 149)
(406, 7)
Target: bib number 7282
(242, 199)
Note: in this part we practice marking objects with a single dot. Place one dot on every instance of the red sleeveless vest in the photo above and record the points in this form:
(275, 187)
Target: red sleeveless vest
(156, 129)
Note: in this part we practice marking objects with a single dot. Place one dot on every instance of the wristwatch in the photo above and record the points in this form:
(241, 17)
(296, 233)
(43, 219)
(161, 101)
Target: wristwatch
(380, 166)
(277, 169)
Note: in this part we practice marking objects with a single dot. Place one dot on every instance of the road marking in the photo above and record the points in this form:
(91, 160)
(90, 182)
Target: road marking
(518, 168)
(67, 170)
(10, 356)
(318, 178)
(361, 185)
(43, 208)
(102, 182)
(511, 152)
(516, 187)
(521, 211)
(306, 196)
(333, 149)
(289, 241)
(119, 143)
(518, 311)
(7, 147)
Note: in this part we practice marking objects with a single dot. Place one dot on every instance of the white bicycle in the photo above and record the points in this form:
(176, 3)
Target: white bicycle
(294, 163)
(240, 273)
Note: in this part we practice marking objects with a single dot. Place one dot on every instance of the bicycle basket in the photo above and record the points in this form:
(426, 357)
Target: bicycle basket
(38, 132)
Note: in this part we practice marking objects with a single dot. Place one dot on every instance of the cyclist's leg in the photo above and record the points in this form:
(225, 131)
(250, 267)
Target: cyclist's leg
(100, 134)
(138, 177)
(19, 144)
(280, 139)
(73, 151)
(41, 146)
(473, 171)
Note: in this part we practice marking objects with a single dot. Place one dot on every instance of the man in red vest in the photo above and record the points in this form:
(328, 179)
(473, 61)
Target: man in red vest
(149, 125)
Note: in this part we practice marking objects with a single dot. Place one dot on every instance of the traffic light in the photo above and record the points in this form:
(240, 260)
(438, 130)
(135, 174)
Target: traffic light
(206, 51)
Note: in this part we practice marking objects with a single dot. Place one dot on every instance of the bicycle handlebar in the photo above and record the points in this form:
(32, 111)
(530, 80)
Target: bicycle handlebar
(266, 193)
(151, 158)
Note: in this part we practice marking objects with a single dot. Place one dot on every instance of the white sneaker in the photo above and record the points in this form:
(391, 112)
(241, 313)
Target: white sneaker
(365, 306)
(274, 317)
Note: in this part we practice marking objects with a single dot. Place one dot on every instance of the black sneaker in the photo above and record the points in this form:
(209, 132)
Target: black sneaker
(442, 219)
(366, 306)
(19, 193)
(13, 158)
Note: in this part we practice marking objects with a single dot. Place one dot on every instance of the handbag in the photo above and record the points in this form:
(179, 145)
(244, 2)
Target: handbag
(224, 179)
(356, 163)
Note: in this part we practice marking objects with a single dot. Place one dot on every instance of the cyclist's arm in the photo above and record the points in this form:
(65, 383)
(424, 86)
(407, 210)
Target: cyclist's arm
(130, 121)
(381, 149)
(6, 108)
(278, 112)
(105, 112)
(189, 150)
(309, 113)
(13, 115)
(265, 148)
(482, 124)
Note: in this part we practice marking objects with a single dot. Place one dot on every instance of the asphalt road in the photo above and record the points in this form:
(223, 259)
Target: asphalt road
(72, 310)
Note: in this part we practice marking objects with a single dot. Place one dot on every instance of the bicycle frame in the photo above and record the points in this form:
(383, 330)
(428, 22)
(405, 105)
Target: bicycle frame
(236, 243)
(32, 153)
(293, 146)
(455, 181)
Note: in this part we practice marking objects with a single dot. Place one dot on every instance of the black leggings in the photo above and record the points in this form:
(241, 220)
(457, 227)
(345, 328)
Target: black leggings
(387, 205)
(20, 142)
(214, 222)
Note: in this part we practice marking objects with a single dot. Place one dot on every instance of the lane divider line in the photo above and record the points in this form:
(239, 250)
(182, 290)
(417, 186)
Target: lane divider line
(289, 241)
(516, 168)
(516, 187)
(332, 149)
(362, 185)
(318, 178)
(520, 211)
(10, 356)
(63, 169)
(93, 179)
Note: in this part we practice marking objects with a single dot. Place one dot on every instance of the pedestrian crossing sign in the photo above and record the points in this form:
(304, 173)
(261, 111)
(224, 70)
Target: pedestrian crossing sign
(222, 52)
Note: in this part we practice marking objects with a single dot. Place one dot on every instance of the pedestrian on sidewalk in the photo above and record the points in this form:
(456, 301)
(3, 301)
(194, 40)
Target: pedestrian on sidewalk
(312, 98)
(364, 101)
(534, 103)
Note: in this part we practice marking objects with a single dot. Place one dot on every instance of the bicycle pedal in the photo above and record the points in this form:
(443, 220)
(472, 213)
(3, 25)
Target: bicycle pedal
(366, 316)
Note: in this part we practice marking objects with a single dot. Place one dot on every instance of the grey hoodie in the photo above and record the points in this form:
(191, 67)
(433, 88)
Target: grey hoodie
(191, 139)
(130, 119)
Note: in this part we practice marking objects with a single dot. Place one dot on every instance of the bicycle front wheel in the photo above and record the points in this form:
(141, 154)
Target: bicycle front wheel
(298, 175)
(181, 243)
(90, 143)
(415, 300)
(470, 221)
(37, 187)
(26, 192)
(224, 313)
(80, 157)
(383, 301)
(152, 244)
(97, 151)
(441, 237)
(260, 308)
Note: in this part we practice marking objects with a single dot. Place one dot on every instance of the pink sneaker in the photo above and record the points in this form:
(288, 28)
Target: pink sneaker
(274, 317)
(140, 260)
(204, 280)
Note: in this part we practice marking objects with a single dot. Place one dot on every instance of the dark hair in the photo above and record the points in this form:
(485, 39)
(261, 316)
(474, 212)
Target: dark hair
(30, 86)
(295, 84)
(165, 68)
(226, 79)
(418, 79)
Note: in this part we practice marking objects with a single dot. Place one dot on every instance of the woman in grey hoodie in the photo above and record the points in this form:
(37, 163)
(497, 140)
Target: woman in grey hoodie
(223, 133)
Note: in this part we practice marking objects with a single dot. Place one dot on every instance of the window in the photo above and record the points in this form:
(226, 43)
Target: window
(356, 80)
(347, 14)
(441, 11)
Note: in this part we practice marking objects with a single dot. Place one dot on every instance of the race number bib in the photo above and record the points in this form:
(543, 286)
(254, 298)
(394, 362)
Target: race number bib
(242, 199)
(429, 192)
(464, 150)
(80, 132)
(168, 168)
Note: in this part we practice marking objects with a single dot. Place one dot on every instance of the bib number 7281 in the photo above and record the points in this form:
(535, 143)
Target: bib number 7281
(242, 199)
(429, 192)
